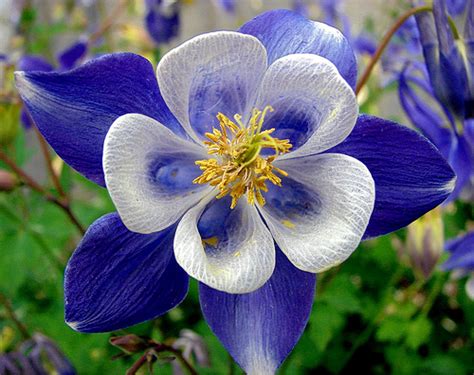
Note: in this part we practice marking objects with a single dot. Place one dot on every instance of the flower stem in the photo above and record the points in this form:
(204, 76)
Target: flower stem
(11, 314)
(49, 162)
(109, 22)
(181, 359)
(385, 41)
(64, 205)
(162, 348)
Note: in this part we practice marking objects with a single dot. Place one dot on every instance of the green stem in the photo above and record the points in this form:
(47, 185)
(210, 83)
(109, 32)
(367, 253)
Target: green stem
(434, 293)
(12, 316)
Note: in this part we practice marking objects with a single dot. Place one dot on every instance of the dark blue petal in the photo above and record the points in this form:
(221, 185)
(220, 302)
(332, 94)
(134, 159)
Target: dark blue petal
(75, 109)
(461, 160)
(25, 119)
(462, 253)
(365, 43)
(31, 63)
(284, 32)
(259, 329)
(468, 35)
(468, 32)
(423, 116)
(162, 20)
(456, 7)
(411, 177)
(443, 58)
(69, 58)
(117, 278)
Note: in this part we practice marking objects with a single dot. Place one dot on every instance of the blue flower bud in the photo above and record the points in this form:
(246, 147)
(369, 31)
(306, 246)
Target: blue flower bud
(448, 57)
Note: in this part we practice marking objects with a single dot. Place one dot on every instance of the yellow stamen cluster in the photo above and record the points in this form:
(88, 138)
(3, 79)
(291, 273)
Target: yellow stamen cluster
(237, 167)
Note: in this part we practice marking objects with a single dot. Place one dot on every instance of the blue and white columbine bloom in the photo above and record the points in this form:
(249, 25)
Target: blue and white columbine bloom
(438, 96)
(266, 119)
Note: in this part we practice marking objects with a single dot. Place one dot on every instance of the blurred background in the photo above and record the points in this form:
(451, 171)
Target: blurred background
(389, 309)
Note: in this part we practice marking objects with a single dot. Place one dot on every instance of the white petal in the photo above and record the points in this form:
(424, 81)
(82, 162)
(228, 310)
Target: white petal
(313, 105)
(211, 73)
(319, 216)
(239, 257)
(139, 153)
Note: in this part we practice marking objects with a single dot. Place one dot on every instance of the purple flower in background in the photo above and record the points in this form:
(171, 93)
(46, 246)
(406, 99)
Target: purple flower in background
(333, 15)
(404, 47)
(67, 59)
(38, 355)
(438, 97)
(266, 120)
(462, 259)
(162, 19)
(449, 58)
(228, 6)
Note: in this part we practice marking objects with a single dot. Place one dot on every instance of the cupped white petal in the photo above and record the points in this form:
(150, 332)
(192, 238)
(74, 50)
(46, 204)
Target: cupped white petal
(211, 73)
(313, 105)
(237, 253)
(149, 173)
(320, 213)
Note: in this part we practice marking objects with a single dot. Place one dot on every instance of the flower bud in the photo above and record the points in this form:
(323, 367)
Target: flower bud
(129, 343)
(8, 181)
(425, 242)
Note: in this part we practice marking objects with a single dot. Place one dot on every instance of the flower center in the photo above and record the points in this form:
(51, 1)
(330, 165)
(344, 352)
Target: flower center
(237, 167)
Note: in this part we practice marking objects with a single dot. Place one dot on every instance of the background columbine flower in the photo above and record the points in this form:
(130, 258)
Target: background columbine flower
(446, 80)
(162, 18)
(113, 122)
(448, 57)
(461, 260)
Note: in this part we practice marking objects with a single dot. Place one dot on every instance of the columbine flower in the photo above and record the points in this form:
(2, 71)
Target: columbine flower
(449, 58)
(162, 19)
(462, 260)
(265, 119)
(447, 79)
(38, 355)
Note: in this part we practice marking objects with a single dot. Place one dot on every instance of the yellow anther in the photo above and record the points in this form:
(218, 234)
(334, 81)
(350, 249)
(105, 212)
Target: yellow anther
(237, 168)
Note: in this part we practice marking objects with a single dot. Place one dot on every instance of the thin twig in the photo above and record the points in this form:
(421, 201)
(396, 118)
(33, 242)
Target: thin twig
(177, 353)
(108, 22)
(137, 365)
(12, 316)
(385, 41)
(49, 164)
(161, 348)
(38, 188)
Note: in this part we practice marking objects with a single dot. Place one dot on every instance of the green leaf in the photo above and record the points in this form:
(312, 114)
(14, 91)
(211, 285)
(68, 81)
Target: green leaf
(391, 329)
(325, 322)
(342, 294)
(418, 332)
